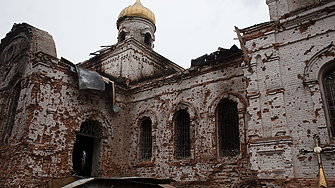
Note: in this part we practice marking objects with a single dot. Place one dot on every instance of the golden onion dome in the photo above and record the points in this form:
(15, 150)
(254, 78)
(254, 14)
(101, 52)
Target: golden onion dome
(138, 10)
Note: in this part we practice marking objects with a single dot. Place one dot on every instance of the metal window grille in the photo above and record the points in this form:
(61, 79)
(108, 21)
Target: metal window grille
(329, 90)
(228, 130)
(91, 128)
(146, 139)
(182, 129)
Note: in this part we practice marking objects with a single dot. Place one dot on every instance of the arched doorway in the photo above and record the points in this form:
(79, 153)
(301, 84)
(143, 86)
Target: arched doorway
(86, 148)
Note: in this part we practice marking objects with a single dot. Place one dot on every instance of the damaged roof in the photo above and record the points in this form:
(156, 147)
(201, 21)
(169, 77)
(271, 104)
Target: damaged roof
(216, 57)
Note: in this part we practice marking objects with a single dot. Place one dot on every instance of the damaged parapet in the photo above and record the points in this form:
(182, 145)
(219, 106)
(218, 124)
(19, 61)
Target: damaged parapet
(216, 57)
(39, 40)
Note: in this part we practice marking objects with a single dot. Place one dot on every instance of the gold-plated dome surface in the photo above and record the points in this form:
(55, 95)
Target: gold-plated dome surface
(138, 10)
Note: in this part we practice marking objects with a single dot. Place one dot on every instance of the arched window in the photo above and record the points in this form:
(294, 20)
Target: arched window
(146, 139)
(228, 129)
(122, 36)
(91, 128)
(182, 131)
(86, 148)
(147, 39)
(329, 93)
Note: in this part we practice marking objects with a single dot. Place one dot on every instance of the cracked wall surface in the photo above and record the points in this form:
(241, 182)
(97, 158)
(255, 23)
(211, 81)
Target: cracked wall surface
(284, 89)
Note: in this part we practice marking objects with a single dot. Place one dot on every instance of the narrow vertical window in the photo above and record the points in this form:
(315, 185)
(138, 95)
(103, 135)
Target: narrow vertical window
(146, 139)
(122, 36)
(228, 130)
(147, 39)
(182, 131)
(329, 91)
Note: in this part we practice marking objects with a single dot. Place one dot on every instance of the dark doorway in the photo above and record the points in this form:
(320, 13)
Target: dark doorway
(87, 149)
(83, 155)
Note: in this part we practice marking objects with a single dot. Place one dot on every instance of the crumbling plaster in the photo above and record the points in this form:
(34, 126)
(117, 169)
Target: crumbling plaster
(280, 53)
(54, 109)
(279, 100)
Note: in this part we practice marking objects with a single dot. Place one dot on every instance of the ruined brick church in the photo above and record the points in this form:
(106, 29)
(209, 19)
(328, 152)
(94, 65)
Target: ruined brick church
(262, 115)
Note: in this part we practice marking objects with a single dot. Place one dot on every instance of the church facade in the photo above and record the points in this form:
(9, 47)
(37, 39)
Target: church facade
(236, 117)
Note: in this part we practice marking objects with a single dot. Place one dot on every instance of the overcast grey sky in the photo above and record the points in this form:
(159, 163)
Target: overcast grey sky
(186, 29)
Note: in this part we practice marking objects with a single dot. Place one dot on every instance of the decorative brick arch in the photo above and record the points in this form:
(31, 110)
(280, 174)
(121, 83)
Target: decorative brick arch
(241, 102)
(183, 105)
(314, 66)
(97, 116)
(90, 144)
(241, 107)
(313, 79)
(142, 115)
(137, 132)
(194, 122)
(123, 31)
(147, 113)
(149, 31)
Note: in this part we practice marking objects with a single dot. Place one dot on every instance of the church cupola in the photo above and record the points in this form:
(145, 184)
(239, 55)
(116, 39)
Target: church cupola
(138, 22)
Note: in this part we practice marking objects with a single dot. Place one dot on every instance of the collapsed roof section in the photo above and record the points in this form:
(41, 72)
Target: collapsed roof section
(216, 57)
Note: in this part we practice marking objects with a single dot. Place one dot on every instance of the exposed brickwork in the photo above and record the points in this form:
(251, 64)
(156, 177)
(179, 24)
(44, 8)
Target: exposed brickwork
(286, 106)
(279, 101)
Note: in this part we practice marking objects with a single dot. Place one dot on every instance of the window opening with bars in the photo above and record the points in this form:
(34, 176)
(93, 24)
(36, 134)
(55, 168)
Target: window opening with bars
(146, 139)
(329, 91)
(182, 130)
(228, 129)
